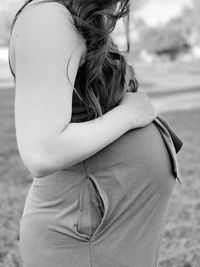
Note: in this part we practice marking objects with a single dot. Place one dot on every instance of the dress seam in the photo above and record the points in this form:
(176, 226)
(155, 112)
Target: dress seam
(90, 253)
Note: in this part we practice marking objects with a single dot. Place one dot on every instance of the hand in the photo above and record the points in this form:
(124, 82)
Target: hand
(131, 81)
(138, 109)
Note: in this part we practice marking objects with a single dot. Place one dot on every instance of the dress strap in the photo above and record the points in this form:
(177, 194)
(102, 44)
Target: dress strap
(27, 4)
(176, 140)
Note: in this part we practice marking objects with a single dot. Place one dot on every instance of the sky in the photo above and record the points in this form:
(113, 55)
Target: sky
(160, 11)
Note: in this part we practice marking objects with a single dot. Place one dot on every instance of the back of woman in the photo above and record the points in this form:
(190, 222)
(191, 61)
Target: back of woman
(104, 165)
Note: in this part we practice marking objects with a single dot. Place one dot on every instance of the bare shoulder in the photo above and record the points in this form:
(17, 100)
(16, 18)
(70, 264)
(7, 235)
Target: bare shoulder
(48, 23)
(40, 13)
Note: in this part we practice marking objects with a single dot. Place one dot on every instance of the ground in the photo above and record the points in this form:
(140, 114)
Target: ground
(180, 245)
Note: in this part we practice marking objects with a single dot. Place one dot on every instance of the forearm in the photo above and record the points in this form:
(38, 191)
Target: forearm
(80, 141)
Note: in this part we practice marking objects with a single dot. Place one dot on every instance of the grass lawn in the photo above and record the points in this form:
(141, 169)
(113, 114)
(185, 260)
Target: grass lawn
(158, 78)
(181, 241)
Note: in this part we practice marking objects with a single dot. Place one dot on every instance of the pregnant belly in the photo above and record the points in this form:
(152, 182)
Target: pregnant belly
(138, 155)
(138, 158)
(131, 176)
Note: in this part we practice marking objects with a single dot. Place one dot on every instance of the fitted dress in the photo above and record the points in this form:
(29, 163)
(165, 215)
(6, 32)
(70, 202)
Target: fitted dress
(106, 211)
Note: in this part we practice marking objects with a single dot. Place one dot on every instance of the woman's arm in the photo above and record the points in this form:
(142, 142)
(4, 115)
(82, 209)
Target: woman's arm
(44, 40)
(79, 141)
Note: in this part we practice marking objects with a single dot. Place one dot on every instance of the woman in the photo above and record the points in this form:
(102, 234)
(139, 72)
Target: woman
(104, 166)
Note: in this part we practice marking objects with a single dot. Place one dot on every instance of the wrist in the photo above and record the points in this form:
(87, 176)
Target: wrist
(125, 117)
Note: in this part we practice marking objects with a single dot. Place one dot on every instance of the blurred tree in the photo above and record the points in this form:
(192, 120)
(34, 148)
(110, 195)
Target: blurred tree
(125, 32)
(189, 22)
(134, 25)
(139, 23)
(186, 23)
(196, 8)
(138, 26)
(164, 41)
(137, 4)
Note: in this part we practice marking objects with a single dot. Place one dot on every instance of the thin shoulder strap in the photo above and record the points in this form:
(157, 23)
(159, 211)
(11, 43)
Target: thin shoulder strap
(25, 6)
(22, 9)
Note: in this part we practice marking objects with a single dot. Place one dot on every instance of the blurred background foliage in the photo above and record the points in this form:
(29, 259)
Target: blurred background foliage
(165, 52)
(179, 35)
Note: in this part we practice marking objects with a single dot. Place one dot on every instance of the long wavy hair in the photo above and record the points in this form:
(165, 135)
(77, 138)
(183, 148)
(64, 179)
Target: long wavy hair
(102, 76)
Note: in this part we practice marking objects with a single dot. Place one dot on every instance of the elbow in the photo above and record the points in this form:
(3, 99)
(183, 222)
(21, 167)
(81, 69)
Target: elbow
(39, 168)
(42, 157)
(37, 163)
